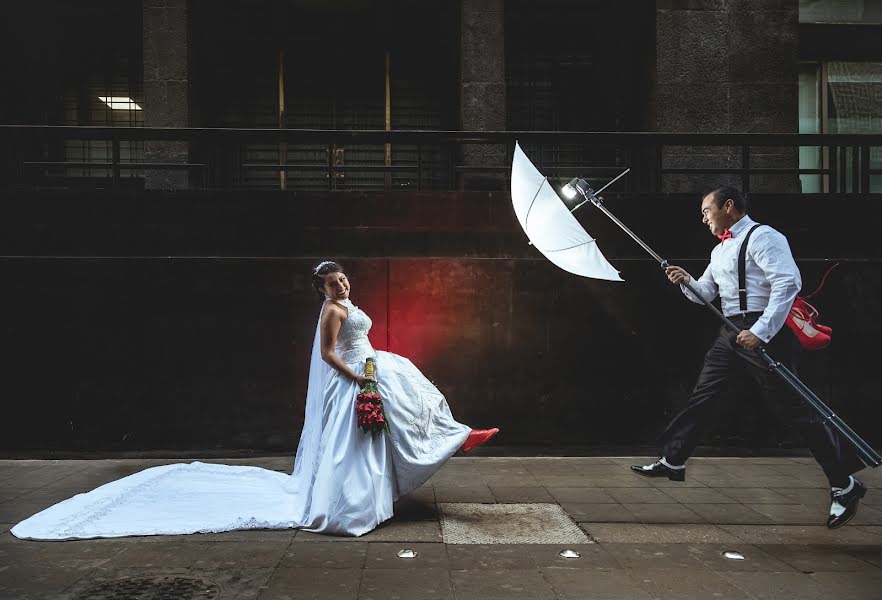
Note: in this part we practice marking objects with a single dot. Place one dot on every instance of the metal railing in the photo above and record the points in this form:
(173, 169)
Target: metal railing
(34, 156)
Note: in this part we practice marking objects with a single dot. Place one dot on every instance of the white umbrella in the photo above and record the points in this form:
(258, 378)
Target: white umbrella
(552, 229)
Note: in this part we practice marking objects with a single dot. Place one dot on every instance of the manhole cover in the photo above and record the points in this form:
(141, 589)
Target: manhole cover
(153, 588)
(508, 524)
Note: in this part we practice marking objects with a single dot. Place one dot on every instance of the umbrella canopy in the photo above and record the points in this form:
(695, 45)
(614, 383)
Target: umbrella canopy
(552, 229)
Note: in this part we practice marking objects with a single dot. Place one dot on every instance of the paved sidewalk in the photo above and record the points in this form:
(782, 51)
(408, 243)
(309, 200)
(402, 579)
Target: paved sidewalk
(646, 539)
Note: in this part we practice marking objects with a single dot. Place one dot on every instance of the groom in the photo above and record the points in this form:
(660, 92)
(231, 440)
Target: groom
(771, 281)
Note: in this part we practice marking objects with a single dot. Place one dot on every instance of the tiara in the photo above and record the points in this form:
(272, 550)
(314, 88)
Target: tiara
(322, 264)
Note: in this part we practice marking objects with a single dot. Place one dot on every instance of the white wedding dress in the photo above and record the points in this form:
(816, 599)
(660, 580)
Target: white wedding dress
(344, 479)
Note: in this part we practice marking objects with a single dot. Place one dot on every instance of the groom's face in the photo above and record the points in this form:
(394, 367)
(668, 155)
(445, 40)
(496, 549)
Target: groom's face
(336, 286)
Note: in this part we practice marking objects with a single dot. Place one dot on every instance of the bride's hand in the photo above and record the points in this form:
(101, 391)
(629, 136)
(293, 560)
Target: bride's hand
(361, 379)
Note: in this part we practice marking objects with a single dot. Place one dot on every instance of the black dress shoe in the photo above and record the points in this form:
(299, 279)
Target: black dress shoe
(659, 469)
(849, 501)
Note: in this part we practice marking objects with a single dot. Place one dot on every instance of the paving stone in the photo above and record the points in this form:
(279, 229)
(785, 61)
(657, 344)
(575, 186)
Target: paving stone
(593, 556)
(624, 481)
(569, 480)
(874, 529)
(411, 509)
(663, 513)
(790, 514)
(312, 584)
(617, 533)
(425, 494)
(20, 582)
(413, 531)
(665, 484)
(15, 511)
(583, 494)
(576, 584)
(867, 515)
(667, 584)
(776, 586)
(848, 586)
(501, 585)
(756, 559)
(384, 555)
(644, 556)
(9, 493)
(520, 495)
(510, 481)
(734, 514)
(236, 583)
(81, 554)
(424, 584)
(810, 497)
(599, 513)
(748, 495)
(495, 557)
(480, 493)
(800, 534)
(209, 555)
(812, 558)
(325, 555)
(638, 495)
(869, 554)
(698, 496)
(500, 466)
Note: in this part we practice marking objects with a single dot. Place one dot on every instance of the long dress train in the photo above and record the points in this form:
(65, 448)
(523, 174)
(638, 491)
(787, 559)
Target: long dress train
(344, 480)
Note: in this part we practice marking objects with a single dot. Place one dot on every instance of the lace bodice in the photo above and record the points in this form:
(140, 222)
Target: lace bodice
(353, 345)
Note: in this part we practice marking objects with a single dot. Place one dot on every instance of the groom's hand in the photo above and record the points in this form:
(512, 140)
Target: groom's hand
(677, 275)
(747, 340)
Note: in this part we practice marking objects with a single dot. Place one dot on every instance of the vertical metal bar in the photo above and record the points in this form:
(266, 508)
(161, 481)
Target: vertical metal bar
(387, 175)
(419, 166)
(843, 169)
(834, 169)
(745, 164)
(283, 146)
(865, 169)
(332, 151)
(659, 165)
(115, 160)
(855, 169)
(828, 182)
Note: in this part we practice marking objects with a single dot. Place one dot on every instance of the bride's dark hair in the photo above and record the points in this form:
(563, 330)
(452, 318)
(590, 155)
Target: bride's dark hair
(318, 275)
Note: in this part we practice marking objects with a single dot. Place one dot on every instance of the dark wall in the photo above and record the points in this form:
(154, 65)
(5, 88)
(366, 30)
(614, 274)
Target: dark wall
(185, 321)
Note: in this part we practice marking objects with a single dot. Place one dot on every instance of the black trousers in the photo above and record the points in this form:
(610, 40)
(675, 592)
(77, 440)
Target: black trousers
(835, 455)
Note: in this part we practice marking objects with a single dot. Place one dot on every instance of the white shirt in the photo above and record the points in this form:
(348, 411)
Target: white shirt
(772, 277)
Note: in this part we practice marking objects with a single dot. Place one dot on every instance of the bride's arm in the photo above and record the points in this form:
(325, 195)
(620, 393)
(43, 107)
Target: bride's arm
(332, 319)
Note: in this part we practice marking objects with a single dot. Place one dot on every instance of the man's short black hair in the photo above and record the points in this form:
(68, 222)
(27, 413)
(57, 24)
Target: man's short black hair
(724, 192)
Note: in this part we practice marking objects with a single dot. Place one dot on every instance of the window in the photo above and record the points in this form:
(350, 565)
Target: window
(839, 97)
(840, 11)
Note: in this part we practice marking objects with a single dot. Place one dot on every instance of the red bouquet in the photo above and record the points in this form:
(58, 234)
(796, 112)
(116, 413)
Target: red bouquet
(369, 405)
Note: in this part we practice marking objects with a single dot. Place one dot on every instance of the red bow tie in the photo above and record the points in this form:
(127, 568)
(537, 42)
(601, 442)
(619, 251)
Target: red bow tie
(726, 235)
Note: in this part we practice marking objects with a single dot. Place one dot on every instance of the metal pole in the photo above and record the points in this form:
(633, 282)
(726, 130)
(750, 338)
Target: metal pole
(866, 452)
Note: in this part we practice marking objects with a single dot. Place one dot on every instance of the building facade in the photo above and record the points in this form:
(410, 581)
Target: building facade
(171, 170)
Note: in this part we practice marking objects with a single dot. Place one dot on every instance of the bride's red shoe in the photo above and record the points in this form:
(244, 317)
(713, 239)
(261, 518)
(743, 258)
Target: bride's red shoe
(478, 437)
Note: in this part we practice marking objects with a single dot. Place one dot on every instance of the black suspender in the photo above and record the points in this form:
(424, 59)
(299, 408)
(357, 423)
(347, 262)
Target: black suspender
(742, 277)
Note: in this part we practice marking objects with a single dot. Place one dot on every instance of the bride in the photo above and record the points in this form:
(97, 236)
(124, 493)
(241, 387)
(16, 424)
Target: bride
(344, 480)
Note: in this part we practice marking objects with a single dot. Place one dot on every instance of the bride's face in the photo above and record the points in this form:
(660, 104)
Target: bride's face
(336, 286)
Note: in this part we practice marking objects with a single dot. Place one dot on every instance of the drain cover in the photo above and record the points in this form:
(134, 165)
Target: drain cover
(508, 524)
(153, 588)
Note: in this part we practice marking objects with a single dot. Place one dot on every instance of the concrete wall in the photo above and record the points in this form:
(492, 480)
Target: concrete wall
(482, 85)
(166, 87)
(184, 321)
(726, 66)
